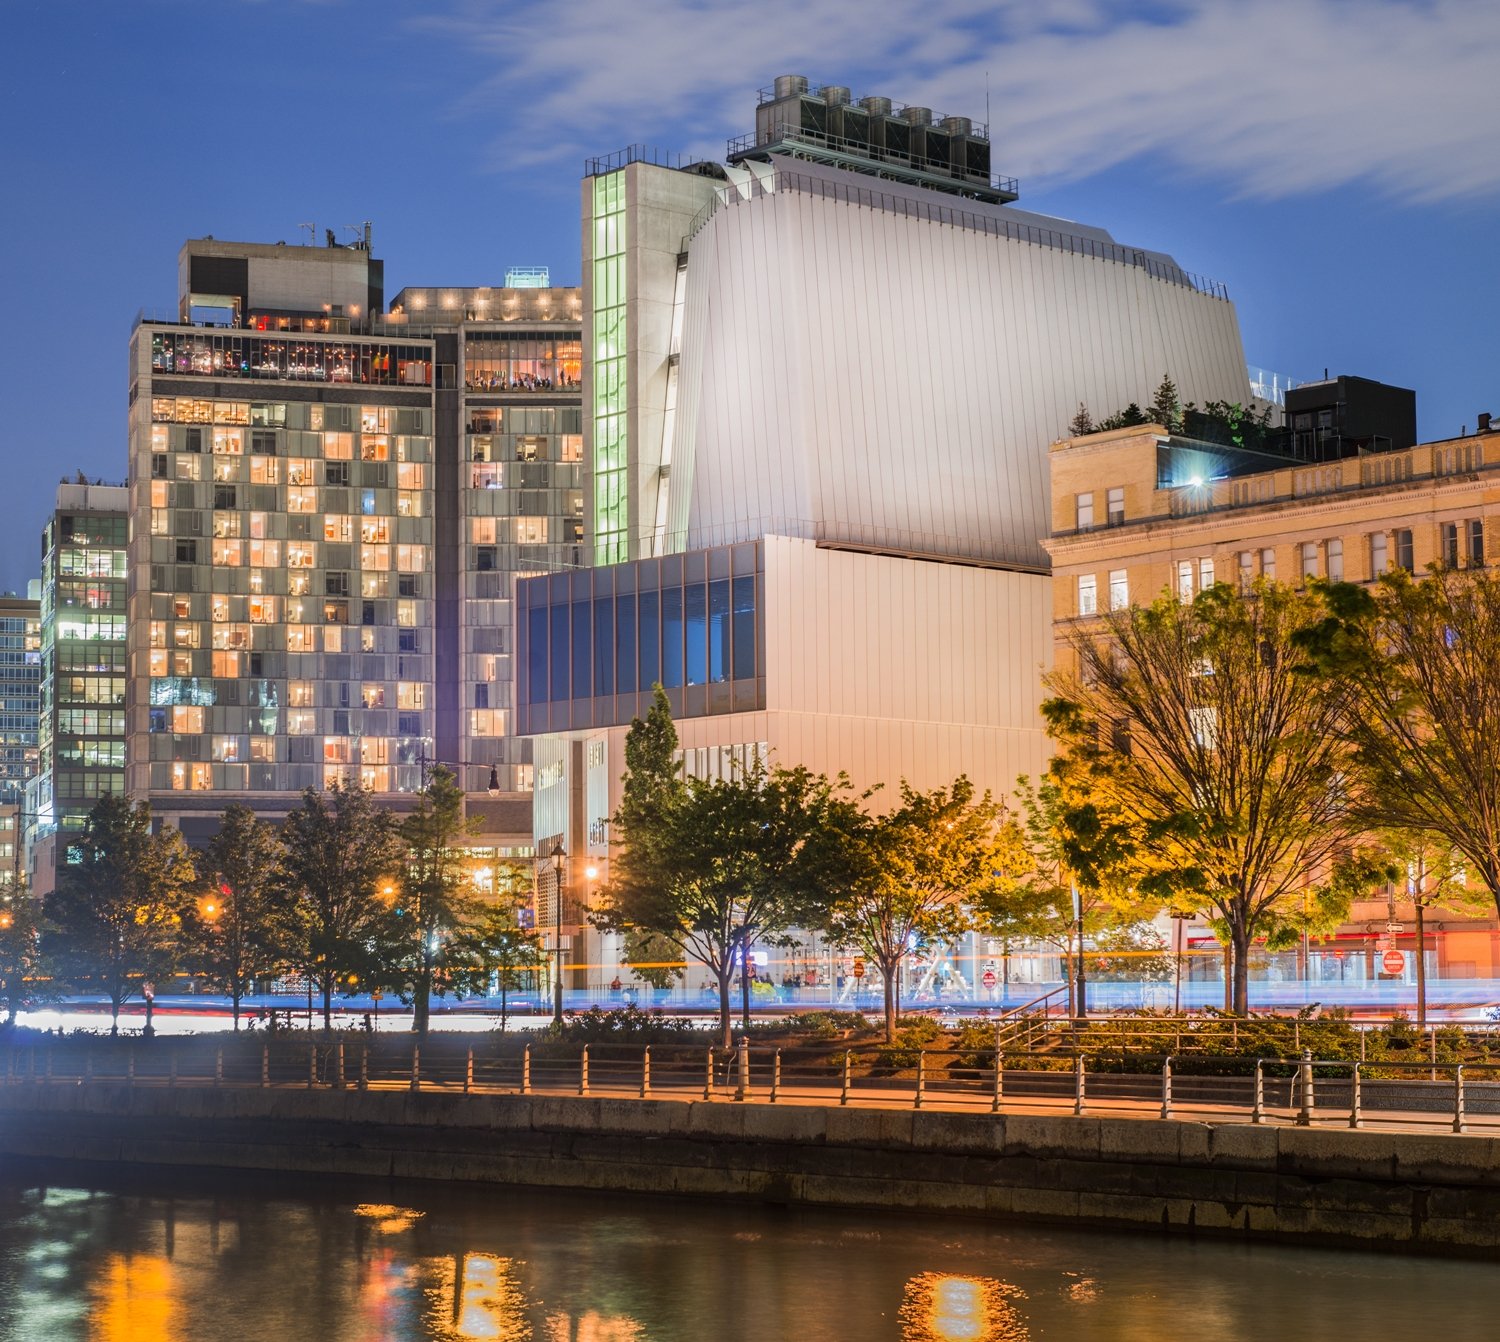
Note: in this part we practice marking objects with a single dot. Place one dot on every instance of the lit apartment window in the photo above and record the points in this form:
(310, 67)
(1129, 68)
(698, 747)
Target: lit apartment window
(1205, 574)
(1309, 559)
(1247, 569)
(1335, 552)
(1379, 553)
(1088, 594)
(1268, 563)
(1449, 537)
(1116, 505)
(1476, 542)
(1404, 549)
(1119, 589)
(1184, 580)
(1085, 506)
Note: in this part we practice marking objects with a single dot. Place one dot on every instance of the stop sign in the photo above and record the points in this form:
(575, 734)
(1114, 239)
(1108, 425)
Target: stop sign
(1393, 962)
(989, 978)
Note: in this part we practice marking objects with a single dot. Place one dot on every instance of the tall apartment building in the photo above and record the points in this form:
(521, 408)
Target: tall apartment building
(20, 690)
(820, 382)
(1138, 513)
(81, 740)
(329, 501)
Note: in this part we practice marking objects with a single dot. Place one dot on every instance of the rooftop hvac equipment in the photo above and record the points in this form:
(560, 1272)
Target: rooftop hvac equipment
(835, 95)
(787, 86)
(957, 125)
(876, 106)
(917, 116)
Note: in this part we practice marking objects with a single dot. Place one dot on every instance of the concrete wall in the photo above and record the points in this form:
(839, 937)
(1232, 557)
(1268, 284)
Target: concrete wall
(1412, 1191)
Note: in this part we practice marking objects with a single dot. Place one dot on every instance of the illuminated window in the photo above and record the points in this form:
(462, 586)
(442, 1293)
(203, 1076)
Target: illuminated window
(373, 696)
(299, 693)
(411, 694)
(301, 638)
(302, 499)
(299, 473)
(228, 554)
(338, 446)
(374, 448)
(263, 609)
(161, 494)
(301, 554)
(406, 613)
(338, 527)
(226, 749)
(482, 530)
(265, 471)
(301, 722)
(187, 719)
(411, 558)
(410, 476)
(263, 749)
(531, 530)
(375, 419)
(265, 554)
(375, 557)
(228, 442)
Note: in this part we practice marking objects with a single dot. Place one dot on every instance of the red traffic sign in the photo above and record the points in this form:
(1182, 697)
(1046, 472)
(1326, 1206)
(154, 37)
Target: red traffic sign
(989, 978)
(1393, 962)
(859, 969)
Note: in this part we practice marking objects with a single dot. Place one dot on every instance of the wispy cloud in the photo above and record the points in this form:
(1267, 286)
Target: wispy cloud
(1268, 97)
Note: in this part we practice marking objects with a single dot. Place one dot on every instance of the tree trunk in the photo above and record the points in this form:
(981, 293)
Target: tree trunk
(234, 1001)
(502, 1001)
(1240, 943)
(1081, 986)
(726, 1029)
(888, 973)
(421, 1002)
(1421, 968)
(327, 986)
(745, 972)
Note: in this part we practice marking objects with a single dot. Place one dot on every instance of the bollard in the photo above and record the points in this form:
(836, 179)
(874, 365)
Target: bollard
(844, 1091)
(526, 1070)
(1362, 1034)
(218, 1067)
(338, 1067)
(583, 1071)
(708, 1077)
(742, 1085)
(1356, 1118)
(364, 1069)
(1166, 1087)
(1078, 1085)
(1305, 1077)
(129, 1065)
(312, 1067)
(1296, 1036)
(1258, 1104)
(921, 1079)
(1234, 1033)
(469, 1072)
(999, 1082)
(1458, 1099)
(646, 1073)
(775, 1075)
(265, 1065)
(416, 1067)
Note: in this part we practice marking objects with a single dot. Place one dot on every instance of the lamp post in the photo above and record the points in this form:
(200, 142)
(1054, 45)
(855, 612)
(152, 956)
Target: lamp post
(557, 895)
(1178, 916)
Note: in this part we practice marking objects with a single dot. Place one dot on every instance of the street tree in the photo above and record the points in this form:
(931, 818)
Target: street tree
(115, 921)
(1217, 740)
(1424, 724)
(342, 865)
(493, 947)
(438, 899)
(241, 927)
(20, 949)
(911, 875)
(711, 866)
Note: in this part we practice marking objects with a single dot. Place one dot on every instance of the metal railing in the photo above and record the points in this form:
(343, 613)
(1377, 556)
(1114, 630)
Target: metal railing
(1298, 1091)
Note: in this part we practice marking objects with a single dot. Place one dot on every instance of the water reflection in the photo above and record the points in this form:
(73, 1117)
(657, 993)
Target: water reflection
(943, 1308)
(209, 1259)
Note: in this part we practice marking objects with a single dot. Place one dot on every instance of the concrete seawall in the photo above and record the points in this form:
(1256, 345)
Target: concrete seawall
(1436, 1193)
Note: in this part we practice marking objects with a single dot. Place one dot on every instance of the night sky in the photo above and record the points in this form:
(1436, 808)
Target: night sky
(1333, 162)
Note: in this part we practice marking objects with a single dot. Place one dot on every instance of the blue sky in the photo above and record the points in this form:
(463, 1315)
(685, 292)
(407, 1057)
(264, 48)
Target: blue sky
(1333, 161)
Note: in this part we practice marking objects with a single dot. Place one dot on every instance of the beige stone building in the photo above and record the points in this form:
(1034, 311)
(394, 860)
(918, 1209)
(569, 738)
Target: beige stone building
(1138, 512)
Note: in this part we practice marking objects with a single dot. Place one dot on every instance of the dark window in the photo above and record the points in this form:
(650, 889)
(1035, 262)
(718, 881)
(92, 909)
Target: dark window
(192, 440)
(718, 630)
(336, 472)
(536, 654)
(484, 558)
(224, 496)
(625, 633)
(335, 584)
(1450, 544)
(1403, 549)
(481, 695)
(262, 443)
(187, 551)
(650, 650)
(671, 638)
(406, 584)
(1476, 543)
(559, 653)
(581, 646)
(744, 628)
(604, 646)
(696, 629)
(158, 465)
(336, 612)
(406, 641)
(367, 614)
(409, 724)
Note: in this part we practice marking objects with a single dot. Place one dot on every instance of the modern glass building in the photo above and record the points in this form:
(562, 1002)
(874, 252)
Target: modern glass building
(20, 693)
(81, 753)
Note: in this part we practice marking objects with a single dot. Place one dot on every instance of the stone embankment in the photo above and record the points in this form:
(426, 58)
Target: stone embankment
(1404, 1190)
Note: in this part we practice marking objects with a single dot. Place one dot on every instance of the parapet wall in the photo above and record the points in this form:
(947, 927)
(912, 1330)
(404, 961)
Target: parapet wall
(1436, 1193)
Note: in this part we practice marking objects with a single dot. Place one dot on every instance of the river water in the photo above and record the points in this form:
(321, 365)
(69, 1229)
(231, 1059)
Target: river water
(169, 1258)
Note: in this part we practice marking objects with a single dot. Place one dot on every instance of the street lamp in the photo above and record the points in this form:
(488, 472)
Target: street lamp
(557, 892)
(1178, 916)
